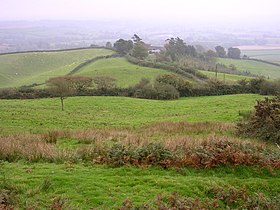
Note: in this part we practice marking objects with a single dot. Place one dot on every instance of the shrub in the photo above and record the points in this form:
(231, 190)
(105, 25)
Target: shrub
(166, 92)
(264, 122)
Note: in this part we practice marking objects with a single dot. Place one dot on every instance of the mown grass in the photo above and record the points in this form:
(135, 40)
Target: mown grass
(40, 115)
(104, 187)
(124, 72)
(254, 67)
(28, 68)
(225, 77)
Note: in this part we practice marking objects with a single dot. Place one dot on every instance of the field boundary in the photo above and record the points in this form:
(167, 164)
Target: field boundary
(77, 68)
(262, 61)
(57, 50)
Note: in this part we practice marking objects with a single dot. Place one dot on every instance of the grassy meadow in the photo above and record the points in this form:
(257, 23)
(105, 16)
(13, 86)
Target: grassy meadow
(28, 68)
(231, 78)
(267, 55)
(104, 187)
(40, 115)
(53, 159)
(125, 73)
(254, 67)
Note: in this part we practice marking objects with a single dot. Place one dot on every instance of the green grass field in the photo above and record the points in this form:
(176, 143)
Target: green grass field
(254, 67)
(124, 72)
(104, 187)
(267, 55)
(225, 77)
(88, 112)
(28, 68)
(79, 184)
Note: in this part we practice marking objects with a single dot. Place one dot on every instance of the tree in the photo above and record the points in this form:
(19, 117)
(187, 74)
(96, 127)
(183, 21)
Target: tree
(176, 48)
(136, 38)
(181, 85)
(140, 50)
(210, 54)
(123, 46)
(79, 83)
(104, 83)
(220, 51)
(234, 53)
(109, 45)
(68, 85)
(61, 87)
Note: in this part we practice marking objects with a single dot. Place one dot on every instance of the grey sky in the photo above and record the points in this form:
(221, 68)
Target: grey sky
(184, 10)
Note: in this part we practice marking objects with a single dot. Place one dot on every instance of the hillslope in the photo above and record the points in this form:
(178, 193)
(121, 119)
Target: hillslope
(124, 72)
(36, 67)
(254, 67)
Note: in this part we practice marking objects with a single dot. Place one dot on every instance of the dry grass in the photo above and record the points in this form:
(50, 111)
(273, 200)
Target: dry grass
(197, 144)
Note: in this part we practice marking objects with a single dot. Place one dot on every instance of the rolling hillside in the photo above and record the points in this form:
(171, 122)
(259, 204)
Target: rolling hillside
(124, 72)
(267, 55)
(254, 67)
(28, 68)
(231, 78)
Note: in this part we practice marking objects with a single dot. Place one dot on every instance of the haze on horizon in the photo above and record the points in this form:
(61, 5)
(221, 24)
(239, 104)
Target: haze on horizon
(198, 11)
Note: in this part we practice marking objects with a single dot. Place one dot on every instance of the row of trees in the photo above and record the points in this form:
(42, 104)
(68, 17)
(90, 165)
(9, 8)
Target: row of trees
(231, 52)
(135, 47)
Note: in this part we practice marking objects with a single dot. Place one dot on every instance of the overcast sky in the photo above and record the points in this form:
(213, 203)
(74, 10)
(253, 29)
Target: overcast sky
(184, 10)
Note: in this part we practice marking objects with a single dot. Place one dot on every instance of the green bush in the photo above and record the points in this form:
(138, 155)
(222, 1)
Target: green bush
(264, 122)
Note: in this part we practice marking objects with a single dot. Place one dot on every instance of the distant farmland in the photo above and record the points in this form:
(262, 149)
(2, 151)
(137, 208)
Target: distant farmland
(272, 55)
(254, 67)
(225, 77)
(36, 67)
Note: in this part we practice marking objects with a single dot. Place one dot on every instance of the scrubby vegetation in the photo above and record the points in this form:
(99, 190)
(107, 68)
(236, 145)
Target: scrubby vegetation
(264, 121)
(182, 165)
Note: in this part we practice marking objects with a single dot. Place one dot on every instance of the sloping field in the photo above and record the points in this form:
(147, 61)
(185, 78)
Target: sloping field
(254, 67)
(272, 55)
(225, 77)
(124, 72)
(87, 112)
(28, 68)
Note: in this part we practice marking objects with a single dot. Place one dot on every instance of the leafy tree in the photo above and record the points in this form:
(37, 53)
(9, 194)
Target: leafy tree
(176, 48)
(104, 83)
(61, 87)
(140, 50)
(123, 46)
(136, 38)
(220, 51)
(210, 54)
(181, 85)
(234, 53)
(109, 45)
